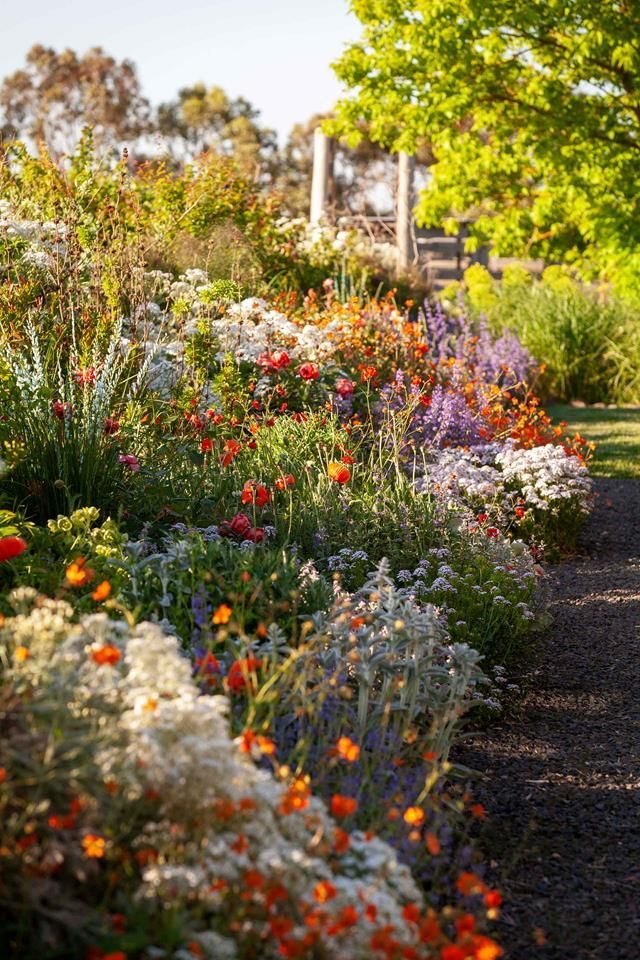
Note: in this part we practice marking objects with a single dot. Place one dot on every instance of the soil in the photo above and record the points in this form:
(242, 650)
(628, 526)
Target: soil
(561, 773)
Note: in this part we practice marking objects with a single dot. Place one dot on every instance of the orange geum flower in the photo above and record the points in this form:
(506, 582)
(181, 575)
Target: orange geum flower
(433, 844)
(107, 655)
(102, 591)
(486, 949)
(296, 797)
(413, 815)
(338, 472)
(469, 883)
(93, 845)
(342, 806)
(286, 480)
(341, 841)
(21, 654)
(222, 614)
(324, 891)
(78, 573)
(347, 749)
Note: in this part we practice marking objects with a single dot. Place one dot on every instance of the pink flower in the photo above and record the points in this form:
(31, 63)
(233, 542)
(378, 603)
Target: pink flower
(344, 387)
(130, 460)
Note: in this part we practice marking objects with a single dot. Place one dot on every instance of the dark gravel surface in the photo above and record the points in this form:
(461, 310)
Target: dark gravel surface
(561, 772)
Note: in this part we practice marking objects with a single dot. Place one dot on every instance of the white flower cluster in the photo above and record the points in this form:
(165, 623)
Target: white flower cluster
(459, 474)
(45, 239)
(154, 731)
(546, 476)
(251, 328)
(322, 243)
(542, 477)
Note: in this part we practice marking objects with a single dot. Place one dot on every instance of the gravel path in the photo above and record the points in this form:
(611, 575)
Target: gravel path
(562, 772)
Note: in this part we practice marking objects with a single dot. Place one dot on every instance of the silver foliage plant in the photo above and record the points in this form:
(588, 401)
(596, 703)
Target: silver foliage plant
(399, 660)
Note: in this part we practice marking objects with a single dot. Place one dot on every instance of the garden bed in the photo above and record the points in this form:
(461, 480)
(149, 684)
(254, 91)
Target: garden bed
(260, 562)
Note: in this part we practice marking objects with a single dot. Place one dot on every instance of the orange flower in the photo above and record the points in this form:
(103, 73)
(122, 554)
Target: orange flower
(433, 844)
(78, 573)
(231, 449)
(296, 797)
(469, 883)
(486, 949)
(286, 480)
(338, 472)
(93, 845)
(478, 811)
(413, 816)
(347, 749)
(493, 899)
(324, 891)
(102, 591)
(257, 493)
(107, 655)
(21, 654)
(263, 744)
(222, 614)
(341, 841)
(342, 806)
(3, 774)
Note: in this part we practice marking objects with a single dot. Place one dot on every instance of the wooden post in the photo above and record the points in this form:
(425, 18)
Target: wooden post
(320, 182)
(404, 211)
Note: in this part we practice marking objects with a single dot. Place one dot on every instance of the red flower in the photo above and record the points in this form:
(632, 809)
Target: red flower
(342, 806)
(344, 387)
(206, 445)
(11, 547)
(111, 426)
(367, 373)
(60, 409)
(130, 460)
(239, 671)
(231, 449)
(309, 371)
(286, 480)
(254, 492)
(276, 360)
(237, 526)
(255, 535)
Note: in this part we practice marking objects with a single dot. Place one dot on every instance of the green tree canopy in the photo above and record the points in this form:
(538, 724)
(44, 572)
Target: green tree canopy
(55, 95)
(206, 118)
(532, 110)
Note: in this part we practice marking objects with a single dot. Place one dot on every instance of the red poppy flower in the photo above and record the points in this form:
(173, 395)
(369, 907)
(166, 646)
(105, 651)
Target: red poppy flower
(239, 672)
(231, 449)
(254, 492)
(309, 371)
(339, 472)
(11, 547)
(237, 526)
(286, 480)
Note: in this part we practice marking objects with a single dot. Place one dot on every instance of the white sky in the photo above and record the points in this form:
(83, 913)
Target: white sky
(276, 53)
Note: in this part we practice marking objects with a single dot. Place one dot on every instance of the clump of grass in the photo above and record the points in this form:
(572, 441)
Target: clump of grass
(587, 341)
